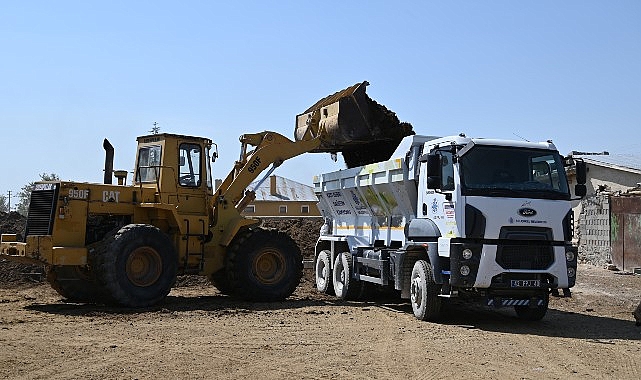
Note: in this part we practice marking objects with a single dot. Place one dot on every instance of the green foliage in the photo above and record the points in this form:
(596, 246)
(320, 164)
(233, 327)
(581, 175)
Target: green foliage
(4, 204)
(25, 193)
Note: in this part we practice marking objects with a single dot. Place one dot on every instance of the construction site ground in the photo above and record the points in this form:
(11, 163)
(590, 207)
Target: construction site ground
(197, 333)
(200, 334)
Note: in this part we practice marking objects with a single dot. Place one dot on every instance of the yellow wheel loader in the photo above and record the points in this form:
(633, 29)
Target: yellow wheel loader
(125, 244)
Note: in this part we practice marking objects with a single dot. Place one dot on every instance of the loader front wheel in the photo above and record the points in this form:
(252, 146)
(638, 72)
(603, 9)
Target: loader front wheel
(263, 265)
(137, 266)
(75, 283)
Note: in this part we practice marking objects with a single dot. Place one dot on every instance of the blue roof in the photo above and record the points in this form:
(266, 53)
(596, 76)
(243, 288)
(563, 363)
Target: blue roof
(623, 161)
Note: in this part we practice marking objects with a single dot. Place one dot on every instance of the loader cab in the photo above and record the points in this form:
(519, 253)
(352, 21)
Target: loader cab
(174, 165)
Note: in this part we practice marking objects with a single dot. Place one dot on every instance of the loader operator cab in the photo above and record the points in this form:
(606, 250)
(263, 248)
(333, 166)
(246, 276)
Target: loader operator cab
(174, 163)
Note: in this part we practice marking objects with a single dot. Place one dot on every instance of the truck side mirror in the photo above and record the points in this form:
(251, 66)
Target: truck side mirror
(580, 190)
(434, 171)
(581, 172)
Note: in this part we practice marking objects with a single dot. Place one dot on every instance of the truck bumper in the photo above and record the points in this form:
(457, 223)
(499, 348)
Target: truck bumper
(519, 271)
(39, 249)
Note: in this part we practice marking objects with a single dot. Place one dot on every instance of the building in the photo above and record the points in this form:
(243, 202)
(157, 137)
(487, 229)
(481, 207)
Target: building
(282, 197)
(609, 217)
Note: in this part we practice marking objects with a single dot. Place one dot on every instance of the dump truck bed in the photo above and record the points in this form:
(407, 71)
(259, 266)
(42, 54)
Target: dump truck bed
(374, 201)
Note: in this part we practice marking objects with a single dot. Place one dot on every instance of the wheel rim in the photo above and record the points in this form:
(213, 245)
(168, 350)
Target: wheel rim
(144, 266)
(416, 292)
(340, 277)
(269, 267)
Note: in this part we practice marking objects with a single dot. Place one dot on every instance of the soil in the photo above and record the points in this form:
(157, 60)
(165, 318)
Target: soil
(198, 333)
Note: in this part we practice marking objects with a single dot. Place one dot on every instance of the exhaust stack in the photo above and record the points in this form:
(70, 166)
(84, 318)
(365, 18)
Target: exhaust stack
(109, 161)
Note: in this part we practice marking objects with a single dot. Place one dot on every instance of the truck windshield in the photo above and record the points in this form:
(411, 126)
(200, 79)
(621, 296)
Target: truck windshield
(513, 172)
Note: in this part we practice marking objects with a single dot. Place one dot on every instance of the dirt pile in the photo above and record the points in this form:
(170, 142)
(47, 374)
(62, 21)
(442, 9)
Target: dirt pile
(304, 231)
(12, 272)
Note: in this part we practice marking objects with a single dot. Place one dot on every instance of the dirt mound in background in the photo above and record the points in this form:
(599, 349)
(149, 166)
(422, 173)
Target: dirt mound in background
(11, 272)
(304, 231)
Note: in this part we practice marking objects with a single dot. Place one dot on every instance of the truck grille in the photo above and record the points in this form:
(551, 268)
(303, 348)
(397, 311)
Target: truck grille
(41, 211)
(524, 256)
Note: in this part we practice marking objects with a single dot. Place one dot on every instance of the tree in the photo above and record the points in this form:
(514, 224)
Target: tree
(24, 196)
(4, 204)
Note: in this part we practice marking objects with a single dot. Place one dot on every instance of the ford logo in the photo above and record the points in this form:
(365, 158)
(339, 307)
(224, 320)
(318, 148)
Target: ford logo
(526, 211)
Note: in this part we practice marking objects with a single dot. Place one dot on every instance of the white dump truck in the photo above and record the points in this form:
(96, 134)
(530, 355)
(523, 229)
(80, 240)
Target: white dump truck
(478, 219)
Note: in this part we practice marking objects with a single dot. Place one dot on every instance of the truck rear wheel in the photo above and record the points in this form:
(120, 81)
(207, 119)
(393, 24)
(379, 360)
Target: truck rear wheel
(137, 266)
(537, 313)
(323, 271)
(345, 286)
(75, 283)
(424, 292)
(263, 265)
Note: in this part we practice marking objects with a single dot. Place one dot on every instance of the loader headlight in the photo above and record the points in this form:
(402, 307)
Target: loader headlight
(569, 255)
(465, 270)
(571, 272)
(467, 253)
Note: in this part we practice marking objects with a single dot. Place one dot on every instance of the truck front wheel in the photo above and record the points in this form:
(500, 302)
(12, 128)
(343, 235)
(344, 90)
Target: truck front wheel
(137, 266)
(536, 313)
(263, 265)
(426, 303)
(323, 272)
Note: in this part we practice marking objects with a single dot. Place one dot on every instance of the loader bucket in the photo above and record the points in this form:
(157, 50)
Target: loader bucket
(352, 123)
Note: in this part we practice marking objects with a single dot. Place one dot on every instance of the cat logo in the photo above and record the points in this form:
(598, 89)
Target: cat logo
(111, 196)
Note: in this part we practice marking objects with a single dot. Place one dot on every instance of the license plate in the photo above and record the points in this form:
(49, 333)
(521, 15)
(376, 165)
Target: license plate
(525, 283)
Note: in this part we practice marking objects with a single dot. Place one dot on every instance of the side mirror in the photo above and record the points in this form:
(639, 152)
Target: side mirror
(434, 171)
(580, 190)
(581, 172)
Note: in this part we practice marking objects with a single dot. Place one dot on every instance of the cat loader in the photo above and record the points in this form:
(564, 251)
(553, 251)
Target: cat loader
(124, 244)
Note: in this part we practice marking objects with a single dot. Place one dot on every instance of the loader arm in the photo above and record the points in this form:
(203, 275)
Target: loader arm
(270, 149)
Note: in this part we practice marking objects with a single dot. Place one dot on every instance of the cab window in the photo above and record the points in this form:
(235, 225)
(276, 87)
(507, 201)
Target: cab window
(149, 163)
(189, 169)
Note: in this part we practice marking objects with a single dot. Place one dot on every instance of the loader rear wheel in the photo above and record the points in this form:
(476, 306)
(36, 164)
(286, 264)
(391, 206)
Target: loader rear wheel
(75, 283)
(137, 266)
(263, 265)
(345, 287)
(323, 271)
(426, 303)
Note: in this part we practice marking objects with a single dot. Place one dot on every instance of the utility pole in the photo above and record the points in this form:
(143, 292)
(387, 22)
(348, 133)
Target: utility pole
(9, 200)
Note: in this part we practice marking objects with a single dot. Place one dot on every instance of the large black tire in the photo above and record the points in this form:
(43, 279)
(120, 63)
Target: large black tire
(345, 287)
(537, 313)
(137, 266)
(75, 283)
(426, 303)
(323, 273)
(263, 265)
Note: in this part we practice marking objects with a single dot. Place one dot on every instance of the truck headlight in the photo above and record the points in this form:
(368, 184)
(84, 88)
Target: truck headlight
(569, 255)
(465, 270)
(571, 272)
(467, 254)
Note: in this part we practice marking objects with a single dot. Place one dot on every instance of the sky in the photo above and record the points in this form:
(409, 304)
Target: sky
(73, 73)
